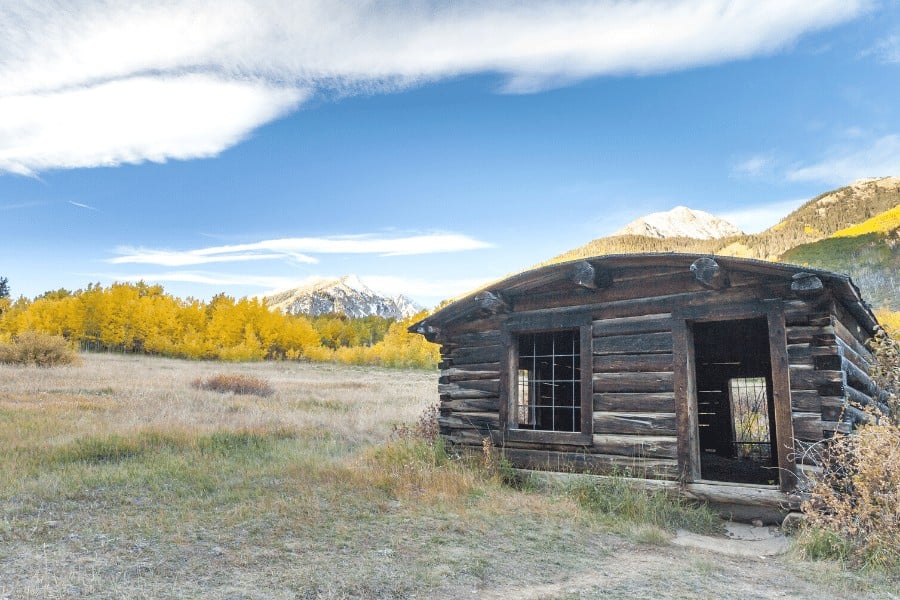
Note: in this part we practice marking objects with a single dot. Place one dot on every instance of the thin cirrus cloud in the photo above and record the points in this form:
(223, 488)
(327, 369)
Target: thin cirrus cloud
(103, 83)
(299, 249)
(848, 164)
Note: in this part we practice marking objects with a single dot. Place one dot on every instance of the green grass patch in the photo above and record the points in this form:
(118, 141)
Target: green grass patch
(615, 501)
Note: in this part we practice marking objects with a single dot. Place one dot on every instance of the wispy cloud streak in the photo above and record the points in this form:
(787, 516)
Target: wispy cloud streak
(299, 249)
(879, 158)
(100, 83)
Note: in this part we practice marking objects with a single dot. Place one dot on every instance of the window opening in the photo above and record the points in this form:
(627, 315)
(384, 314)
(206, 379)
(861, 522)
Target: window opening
(750, 416)
(549, 381)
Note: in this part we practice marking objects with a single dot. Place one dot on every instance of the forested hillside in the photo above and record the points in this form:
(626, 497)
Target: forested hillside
(141, 318)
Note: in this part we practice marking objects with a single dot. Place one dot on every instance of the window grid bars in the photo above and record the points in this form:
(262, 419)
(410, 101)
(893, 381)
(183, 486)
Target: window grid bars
(529, 400)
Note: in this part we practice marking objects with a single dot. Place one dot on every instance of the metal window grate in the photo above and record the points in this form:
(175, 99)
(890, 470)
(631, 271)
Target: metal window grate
(548, 390)
(750, 418)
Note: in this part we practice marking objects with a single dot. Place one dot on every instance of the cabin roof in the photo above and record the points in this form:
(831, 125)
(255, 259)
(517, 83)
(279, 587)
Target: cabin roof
(548, 276)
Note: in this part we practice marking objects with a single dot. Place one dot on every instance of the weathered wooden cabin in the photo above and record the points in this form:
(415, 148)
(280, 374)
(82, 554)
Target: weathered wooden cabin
(712, 372)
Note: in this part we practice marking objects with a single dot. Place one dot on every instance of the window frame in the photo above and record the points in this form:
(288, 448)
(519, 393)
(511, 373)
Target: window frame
(523, 324)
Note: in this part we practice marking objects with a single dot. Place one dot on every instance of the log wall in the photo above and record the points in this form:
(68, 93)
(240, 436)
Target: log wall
(634, 418)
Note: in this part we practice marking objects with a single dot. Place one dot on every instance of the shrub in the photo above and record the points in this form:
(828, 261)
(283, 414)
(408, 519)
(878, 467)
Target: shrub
(235, 384)
(853, 509)
(41, 349)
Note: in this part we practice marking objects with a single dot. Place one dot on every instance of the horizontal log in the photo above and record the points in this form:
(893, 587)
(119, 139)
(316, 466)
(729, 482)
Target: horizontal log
(864, 362)
(846, 326)
(634, 382)
(476, 338)
(632, 325)
(482, 385)
(456, 374)
(719, 493)
(861, 380)
(634, 423)
(613, 363)
(806, 378)
(845, 336)
(815, 335)
(472, 404)
(650, 446)
(614, 402)
(807, 354)
(470, 420)
(633, 344)
(580, 462)
(860, 399)
(807, 426)
(473, 355)
(809, 311)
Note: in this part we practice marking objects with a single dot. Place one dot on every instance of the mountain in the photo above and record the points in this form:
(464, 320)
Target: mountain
(853, 229)
(681, 222)
(347, 295)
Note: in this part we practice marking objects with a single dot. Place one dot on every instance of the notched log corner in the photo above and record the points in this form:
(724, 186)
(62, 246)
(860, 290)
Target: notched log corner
(806, 285)
(709, 274)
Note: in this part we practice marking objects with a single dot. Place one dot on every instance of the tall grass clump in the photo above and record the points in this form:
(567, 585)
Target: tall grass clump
(616, 500)
(415, 464)
(235, 384)
(853, 509)
(40, 349)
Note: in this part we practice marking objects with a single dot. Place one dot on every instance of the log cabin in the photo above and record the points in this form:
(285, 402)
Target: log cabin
(706, 375)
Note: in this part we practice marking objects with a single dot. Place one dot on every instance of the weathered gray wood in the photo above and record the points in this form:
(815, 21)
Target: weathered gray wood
(591, 463)
(490, 303)
(861, 399)
(482, 354)
(807, 426)
(632, 325)
(585, 275)
(720, 493)
(470, 372)
(631, 344)
(685, 389)
(864, 362)
(821, 335)
(484, 385)
(846, 336)
(616, 402)
(655, 446)
(491, 404)
(634, 423)
(614, 363)
(781, 392)
(634, 382)
(806, 285)
(807, 378)
(451, 392)
(709, 274)
(541, 438)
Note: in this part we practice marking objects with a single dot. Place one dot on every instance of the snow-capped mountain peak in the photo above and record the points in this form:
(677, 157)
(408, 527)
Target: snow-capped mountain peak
(681, 222)
(346, 295)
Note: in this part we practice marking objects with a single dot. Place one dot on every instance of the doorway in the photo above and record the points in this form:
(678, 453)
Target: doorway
(735, 405)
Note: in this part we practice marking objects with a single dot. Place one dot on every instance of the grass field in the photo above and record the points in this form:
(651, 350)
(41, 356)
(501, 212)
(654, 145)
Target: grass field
(121, 478)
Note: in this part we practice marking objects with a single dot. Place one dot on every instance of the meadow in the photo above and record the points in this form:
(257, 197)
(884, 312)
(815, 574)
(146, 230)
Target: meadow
(126, 477)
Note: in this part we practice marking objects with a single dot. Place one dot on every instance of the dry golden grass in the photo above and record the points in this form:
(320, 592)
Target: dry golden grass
(120, 479)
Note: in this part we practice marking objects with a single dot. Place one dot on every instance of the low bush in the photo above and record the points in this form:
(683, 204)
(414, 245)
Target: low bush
(235, 384)
(41, 349)
(853, 509)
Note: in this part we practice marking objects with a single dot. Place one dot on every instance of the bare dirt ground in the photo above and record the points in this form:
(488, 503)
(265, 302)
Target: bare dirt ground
(304, 516)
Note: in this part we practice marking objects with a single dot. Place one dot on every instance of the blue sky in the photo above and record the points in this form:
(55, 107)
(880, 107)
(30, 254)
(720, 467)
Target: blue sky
(245, 147)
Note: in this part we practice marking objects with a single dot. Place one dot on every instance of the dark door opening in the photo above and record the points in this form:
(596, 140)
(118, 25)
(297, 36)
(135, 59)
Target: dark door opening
(735, 408)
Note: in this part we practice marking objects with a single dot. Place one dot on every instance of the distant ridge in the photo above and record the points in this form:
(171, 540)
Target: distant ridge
(851, 230)
(681, 221)
(346, 295)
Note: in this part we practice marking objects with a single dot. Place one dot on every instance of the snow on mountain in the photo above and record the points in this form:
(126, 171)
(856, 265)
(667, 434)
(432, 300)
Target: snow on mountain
(347, 295)
(681, 222)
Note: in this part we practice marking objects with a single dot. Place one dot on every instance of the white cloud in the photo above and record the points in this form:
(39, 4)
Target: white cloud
(100, 83)
(886, 50)
(134, 120)
(81, 205)
(430, 288)
(845, 165)
(204, 278)
(758, 218)
(754, 166)
(298, 249)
